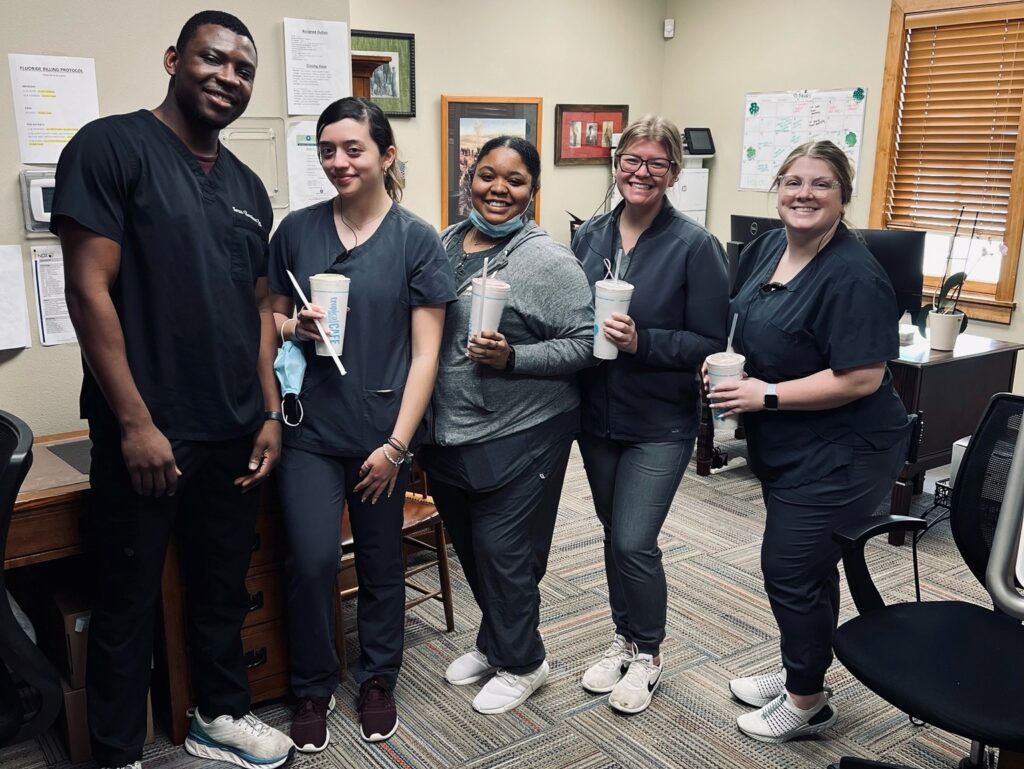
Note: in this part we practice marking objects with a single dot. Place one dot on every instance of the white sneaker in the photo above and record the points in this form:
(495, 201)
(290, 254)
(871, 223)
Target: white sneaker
(246, 741)
(133, 765)
(469, 668)
(780, 720)
(633, 693)
(759, 690)
(601, 677)
(507, 690)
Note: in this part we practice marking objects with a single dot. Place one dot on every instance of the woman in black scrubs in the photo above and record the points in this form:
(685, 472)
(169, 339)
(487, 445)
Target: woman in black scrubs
(352, 444)
(826, 432)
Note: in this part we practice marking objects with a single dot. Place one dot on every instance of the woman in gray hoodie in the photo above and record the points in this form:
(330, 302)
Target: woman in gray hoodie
(505, 410)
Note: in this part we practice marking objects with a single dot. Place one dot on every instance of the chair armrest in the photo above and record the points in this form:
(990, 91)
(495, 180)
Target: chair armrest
(852, 538)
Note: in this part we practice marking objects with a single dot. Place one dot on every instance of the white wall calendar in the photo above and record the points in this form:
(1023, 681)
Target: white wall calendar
(776, 122)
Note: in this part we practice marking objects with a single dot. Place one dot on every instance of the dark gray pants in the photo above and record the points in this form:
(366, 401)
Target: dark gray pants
(799, 559)
(502, 538)
(312, 489)
(633, 485)
(127, 537)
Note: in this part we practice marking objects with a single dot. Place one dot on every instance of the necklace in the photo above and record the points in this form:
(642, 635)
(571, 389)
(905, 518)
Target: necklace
(460, 266)
(355, 229)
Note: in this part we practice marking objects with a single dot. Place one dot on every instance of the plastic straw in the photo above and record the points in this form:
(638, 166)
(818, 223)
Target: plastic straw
(319, 327)
(618, 258)
(732, 330)
(483, 298)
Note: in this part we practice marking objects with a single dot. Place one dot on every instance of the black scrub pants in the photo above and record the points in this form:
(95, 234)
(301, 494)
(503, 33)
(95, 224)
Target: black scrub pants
(127, 537)
(799, 559)
(313, 487)
(503, 537)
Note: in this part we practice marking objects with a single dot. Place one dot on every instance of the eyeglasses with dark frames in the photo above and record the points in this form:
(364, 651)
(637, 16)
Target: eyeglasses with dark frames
(655, 166)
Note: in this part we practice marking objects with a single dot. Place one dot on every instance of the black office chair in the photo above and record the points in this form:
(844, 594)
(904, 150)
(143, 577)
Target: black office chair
(23, 668)
(952, 664)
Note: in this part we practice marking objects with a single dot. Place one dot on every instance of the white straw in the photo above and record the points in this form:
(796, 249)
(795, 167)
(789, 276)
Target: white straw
(483, 298)
(323, 334)
(618, 258)
(732, 330)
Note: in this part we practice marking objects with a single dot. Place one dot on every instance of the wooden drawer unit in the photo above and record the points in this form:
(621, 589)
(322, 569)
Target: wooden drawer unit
(266, 595)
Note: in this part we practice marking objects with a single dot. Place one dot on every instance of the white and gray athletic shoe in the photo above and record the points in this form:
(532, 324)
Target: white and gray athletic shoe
(633, 693)
(759, 690)
(245, 741)
(601, 677)
(780, 720)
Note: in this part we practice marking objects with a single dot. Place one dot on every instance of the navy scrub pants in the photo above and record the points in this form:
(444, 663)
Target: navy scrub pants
(799, 559)
(503, 537)
(313, 487)
(127, 537)
(633, 485)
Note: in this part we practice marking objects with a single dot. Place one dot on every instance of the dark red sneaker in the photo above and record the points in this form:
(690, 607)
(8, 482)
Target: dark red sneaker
(378, 718)
(309, 724)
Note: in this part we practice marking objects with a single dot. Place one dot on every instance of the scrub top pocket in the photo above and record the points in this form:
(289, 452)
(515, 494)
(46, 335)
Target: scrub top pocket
(248, 251)
(380, 411)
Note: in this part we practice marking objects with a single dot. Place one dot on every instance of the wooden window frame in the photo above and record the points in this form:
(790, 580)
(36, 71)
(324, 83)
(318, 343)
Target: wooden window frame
(984, 306)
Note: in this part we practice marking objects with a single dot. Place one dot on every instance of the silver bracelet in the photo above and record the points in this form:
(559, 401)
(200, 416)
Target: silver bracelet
(395, 462)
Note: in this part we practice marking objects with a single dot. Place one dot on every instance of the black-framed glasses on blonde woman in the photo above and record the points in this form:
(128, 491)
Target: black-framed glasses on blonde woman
(655, 166)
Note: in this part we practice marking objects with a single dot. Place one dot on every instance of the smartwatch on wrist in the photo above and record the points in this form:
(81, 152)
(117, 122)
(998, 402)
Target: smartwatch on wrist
(273, 416)
(510, 364)
(771, 398)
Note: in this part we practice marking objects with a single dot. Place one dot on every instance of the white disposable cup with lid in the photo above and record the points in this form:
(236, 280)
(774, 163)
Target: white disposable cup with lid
(330, 292)
(487, 307)
(609, 296)
(724, 367)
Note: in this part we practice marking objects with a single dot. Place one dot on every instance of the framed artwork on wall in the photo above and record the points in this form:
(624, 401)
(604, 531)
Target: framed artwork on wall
(392, 86)
(467, 123)
(583, 132)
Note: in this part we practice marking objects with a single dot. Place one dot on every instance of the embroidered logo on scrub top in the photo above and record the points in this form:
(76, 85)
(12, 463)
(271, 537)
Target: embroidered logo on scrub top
(247, 215)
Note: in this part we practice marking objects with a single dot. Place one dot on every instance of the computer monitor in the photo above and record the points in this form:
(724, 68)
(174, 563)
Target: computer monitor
(743, 229)
(901, 255)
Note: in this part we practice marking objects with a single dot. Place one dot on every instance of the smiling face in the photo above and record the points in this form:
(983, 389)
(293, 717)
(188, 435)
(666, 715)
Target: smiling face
(502, 185)
(351, 160)
(639, 188)
(213, 76)
(808, 208)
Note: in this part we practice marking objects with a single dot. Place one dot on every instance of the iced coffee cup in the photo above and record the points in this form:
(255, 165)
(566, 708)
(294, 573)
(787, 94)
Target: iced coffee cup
(330, 292)
(488, 305)
(724, 367)
(609, 296)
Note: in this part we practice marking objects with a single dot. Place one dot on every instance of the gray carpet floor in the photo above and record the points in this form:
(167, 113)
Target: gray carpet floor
(719, 626)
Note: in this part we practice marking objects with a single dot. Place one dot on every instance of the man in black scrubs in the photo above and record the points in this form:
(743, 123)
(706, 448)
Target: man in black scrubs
(165, 237)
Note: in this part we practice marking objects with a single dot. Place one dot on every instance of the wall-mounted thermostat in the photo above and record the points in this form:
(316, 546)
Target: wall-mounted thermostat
(37, 188)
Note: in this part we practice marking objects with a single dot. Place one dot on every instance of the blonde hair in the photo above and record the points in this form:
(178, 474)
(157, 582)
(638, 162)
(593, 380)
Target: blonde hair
(654, 128)
(829, 153)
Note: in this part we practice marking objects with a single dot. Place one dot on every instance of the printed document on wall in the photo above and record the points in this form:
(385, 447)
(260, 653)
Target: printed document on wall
(307, 182)
(13, 305)
(53, 97)
(51, 308)
(317, 64)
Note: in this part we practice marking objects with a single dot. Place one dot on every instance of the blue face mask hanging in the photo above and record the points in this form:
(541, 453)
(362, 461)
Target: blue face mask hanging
(502, 230)
(290, 368)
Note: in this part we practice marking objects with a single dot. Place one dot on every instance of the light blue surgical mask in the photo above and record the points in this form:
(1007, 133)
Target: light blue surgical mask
(502, 230)
(290, 368)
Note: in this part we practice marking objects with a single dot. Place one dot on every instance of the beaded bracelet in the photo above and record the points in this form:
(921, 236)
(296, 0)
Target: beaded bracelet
(395, 462)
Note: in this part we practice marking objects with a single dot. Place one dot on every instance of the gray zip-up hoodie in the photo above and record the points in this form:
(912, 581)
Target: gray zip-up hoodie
(549, 319)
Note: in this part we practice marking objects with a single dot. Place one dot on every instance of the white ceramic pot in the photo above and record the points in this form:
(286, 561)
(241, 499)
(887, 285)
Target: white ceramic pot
(943, 329)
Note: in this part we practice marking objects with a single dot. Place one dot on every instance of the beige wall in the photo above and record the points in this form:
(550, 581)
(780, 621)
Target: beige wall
(565, 51)
(127, 40)
(728, 48)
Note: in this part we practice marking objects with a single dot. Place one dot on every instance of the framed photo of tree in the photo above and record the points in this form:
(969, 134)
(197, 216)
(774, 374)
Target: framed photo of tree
(392, 86)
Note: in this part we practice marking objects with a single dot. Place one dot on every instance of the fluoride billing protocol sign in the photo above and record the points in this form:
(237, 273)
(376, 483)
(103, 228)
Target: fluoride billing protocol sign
(774, 123)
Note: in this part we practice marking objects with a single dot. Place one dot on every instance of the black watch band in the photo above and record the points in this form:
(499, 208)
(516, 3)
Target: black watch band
(510, 364)
(273, 416)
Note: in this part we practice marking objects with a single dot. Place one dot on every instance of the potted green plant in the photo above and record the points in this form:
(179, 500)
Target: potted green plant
(943, 320)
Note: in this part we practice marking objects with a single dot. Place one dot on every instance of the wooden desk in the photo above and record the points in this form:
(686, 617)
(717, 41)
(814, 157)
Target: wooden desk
(45, 527)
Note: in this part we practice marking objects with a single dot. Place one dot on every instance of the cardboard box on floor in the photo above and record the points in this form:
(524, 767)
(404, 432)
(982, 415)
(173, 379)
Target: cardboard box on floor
(74, 723)
(65, 634)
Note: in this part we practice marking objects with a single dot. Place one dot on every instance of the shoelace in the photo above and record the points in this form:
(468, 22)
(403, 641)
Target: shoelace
(509, 678)
(374, 691)
(613, 654)
(251, 724)
(639, 672)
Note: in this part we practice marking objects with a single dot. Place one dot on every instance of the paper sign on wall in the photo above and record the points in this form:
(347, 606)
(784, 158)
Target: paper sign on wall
(51, 307)
(317, 64)
(307, 183)
(53, 97)
(13, 306)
